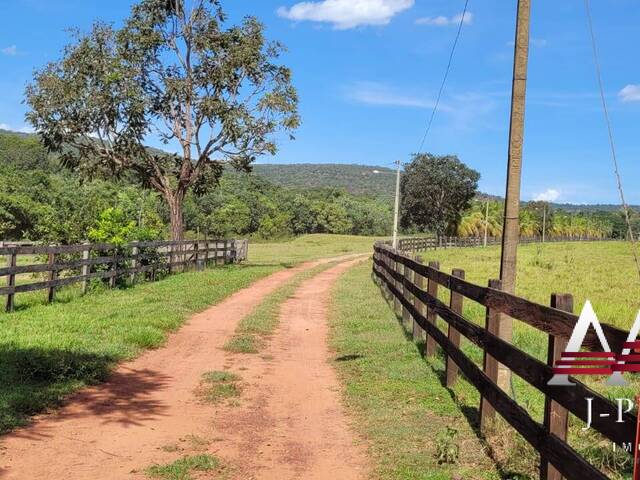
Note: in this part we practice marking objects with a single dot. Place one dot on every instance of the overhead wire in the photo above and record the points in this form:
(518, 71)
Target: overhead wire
(607, 118)
(446, 76)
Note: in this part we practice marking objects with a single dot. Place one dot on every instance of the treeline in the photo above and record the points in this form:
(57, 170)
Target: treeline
(538, 216)
(42, 202)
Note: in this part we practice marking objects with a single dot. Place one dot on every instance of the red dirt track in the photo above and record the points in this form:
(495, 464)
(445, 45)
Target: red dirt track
(288, 422)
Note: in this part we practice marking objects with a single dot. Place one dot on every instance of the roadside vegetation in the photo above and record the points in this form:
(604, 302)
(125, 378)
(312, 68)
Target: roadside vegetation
(56, 205)
(412, 424)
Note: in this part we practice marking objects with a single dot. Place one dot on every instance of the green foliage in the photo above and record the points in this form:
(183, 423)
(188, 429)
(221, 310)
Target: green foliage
(247, 204)
(447, 448)
(216, 91)
(113, 227)
(435, 192)
(56, 206)
(117, 227)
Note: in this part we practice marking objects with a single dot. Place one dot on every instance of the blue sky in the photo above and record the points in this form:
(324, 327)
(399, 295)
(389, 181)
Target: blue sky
(368, 72)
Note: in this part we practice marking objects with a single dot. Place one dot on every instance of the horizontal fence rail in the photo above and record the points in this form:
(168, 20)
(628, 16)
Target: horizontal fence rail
(413, 287)
(61, 265)
(420, 244)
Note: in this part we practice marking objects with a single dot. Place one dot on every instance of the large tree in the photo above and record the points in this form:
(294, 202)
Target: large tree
(173, 72)
(435, 192)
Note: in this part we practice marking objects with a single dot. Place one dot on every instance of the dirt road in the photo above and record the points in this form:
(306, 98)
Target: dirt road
(288, 422)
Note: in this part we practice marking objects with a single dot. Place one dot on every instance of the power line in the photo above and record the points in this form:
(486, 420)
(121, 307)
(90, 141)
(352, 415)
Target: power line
(616, 169)
(446, 75)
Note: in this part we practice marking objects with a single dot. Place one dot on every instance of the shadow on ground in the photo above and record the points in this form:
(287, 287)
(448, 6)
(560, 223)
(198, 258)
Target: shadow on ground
(35, 379)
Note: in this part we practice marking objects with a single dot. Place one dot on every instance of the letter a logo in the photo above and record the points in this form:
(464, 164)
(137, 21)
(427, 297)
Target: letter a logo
(573, 360)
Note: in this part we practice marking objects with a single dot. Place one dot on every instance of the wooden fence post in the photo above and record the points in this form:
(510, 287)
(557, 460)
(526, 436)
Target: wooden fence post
(405, 295)
(407, 318)
(396, 300)
(196, 257)
(12, 261)
(420, 282)
(86, 268)
(114, 268)
(53, 275)
(455, 303)
(556, 417)
(135, 251)
(492, 320)
(432, 290)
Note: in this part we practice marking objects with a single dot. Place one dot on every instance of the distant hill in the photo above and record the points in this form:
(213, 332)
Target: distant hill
(357, 179)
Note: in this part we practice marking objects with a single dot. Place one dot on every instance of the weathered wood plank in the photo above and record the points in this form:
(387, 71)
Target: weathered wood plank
(432, 290)
(456, 306)
(11, 282)
(491, 366)
(556, 417)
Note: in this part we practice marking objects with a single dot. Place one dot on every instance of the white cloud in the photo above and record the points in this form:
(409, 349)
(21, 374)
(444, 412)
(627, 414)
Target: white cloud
(630, 93)
(11, 50)
(442, 21)
(345, 14)
(461, 111)
(4, 126)
(549, 195)
(372, 93)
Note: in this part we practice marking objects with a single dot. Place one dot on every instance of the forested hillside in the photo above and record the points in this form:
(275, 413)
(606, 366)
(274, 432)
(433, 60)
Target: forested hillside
(357, 179)
(39, 200)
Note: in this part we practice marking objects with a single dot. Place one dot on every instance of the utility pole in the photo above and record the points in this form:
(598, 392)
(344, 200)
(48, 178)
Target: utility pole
(486, 224)
(544, 223)
(396, 209)
(511, 228)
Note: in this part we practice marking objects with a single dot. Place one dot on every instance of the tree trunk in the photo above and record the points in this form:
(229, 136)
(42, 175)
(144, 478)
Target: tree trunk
(175, 201)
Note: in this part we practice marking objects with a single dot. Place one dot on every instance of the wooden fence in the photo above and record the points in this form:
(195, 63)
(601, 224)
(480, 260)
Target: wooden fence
(420, 244)
(413, 287)
(70, 264)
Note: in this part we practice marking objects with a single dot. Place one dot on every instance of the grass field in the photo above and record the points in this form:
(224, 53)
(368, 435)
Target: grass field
(602, 272)
(308, 247)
